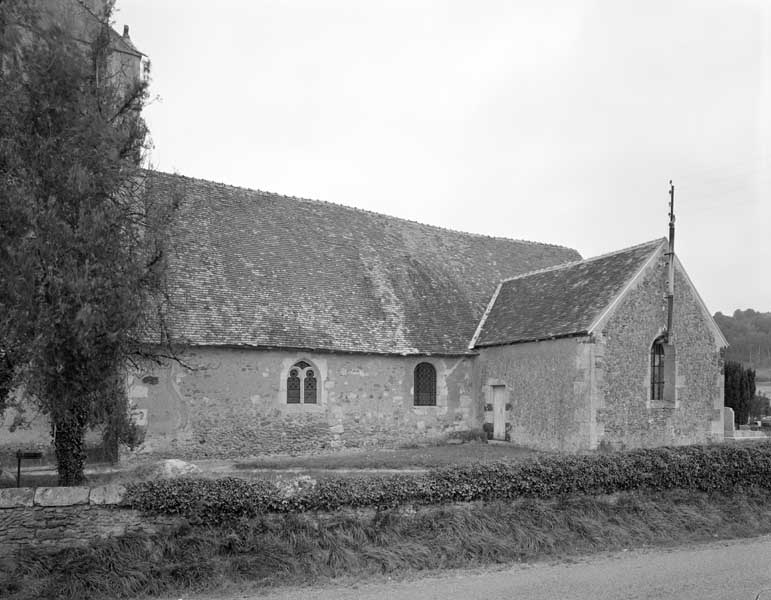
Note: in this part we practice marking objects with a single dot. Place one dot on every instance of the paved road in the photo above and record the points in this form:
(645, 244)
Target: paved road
(738, 569)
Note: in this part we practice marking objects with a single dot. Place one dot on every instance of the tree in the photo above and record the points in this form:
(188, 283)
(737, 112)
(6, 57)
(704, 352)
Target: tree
(739, 390)
(760, 407)
(81, 241)
(749, 336)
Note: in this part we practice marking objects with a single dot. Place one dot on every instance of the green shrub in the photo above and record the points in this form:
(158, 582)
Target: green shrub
(203, 500)
(702, 468)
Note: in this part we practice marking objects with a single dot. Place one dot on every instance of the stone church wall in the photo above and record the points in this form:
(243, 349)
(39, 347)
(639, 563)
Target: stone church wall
(626, 417)
(232, 402)
(548, 385)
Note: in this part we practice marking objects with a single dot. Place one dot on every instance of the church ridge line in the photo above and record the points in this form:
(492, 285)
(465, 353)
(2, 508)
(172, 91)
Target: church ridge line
(586, 260)
(355, 208)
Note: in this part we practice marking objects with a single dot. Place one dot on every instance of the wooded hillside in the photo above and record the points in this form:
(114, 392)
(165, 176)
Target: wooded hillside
(749, 334)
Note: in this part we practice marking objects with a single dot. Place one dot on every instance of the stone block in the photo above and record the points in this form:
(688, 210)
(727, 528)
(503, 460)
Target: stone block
(61, 496)
(54, 533)
(107, 494)
(15, 497)
(728, 420)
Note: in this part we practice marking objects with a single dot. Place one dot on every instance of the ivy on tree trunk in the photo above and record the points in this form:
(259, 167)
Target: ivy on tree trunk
(70, 452)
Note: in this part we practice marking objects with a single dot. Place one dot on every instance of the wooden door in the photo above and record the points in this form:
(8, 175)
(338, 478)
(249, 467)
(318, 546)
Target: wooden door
(499, 412)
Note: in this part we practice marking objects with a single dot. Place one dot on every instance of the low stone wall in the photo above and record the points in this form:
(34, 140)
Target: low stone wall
(55, 518)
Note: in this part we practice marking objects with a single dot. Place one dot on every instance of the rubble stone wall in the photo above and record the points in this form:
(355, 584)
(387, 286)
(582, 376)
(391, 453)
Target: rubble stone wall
(56, 518)
(626, 416)
(233, 402)
(547, 385)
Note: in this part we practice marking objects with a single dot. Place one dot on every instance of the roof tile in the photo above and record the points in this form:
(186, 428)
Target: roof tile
(259, 269)
(562, 300)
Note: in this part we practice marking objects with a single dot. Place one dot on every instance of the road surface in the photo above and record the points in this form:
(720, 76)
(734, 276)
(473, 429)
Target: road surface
(727, 570)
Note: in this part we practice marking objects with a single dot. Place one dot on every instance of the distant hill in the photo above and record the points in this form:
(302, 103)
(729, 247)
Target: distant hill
(749, 334)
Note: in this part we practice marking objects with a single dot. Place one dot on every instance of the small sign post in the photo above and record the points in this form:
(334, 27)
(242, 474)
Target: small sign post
(19, 456)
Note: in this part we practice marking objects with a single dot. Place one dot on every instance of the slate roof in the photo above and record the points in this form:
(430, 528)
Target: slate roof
(259, 269)
(124, 44)
(560, 301)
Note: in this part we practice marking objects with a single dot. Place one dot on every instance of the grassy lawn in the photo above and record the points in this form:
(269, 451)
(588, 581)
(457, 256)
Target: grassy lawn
(270, 467)
(401, 458)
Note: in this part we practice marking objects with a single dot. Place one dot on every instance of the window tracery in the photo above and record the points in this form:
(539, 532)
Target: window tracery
(302, 384)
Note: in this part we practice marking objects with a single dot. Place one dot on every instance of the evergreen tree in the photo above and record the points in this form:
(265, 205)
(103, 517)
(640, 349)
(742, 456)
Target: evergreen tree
(739, 390)
(81, 243)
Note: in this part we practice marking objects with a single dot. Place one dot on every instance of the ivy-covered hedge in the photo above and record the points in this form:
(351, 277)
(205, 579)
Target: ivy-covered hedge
(704, 468)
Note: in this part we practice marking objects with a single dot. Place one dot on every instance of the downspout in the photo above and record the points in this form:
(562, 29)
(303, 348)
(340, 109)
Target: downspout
(671, 255)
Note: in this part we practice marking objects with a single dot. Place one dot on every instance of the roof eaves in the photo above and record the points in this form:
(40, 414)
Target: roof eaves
(546, 338)
(603, 316)
(320, 350)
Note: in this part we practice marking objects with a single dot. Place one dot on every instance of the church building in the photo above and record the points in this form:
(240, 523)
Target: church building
(307, 325)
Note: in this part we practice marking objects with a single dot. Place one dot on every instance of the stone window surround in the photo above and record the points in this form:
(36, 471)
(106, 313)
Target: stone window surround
(414, 382)
(441, 388)
(319, 368)
(649, 402)
(657, 369)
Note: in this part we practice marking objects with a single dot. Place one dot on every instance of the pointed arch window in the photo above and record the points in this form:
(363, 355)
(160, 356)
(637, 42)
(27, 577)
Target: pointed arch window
(425, 385)
(302, 384)
(663, 387)
(657, 370)
(293, 387)
(309, 387)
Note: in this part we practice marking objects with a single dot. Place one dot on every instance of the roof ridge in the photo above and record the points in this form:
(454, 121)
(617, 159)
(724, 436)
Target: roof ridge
(584, 260)
(113, 34)
(363, 210)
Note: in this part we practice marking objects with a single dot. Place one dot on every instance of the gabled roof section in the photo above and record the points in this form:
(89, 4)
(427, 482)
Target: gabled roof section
(720, 340)
(251, 268)
(563, 300)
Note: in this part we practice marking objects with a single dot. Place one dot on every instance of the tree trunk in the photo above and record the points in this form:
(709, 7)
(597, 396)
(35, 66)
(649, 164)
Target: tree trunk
(70, 453)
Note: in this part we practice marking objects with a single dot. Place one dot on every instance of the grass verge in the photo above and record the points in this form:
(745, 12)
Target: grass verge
(267, 467)
(292, 549)
(421, 457)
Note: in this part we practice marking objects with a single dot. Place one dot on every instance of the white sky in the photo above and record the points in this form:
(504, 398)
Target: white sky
(551, 121)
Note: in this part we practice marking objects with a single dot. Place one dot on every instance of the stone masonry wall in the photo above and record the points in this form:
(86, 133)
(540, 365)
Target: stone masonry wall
(548, 386)
(232, 402)
(55, 518)
(626, 417)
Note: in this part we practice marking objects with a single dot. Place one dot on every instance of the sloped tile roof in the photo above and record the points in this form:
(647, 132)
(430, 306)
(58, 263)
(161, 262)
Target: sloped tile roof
(259, 269)
(560, 301)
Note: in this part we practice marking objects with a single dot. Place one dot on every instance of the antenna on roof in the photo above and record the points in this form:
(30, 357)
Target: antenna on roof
(671, 255)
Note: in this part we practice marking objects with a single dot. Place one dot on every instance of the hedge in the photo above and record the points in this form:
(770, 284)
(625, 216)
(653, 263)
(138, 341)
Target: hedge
(703, 468)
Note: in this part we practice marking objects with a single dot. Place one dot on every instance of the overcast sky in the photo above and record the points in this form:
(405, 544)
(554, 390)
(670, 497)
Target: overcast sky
(558, 122)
